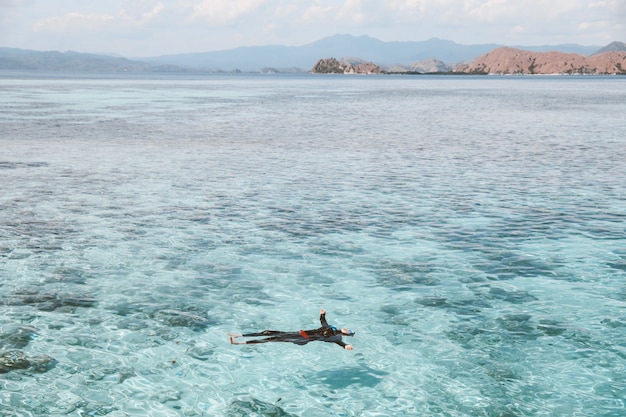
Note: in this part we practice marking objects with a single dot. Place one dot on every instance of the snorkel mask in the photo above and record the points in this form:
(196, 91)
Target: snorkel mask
(350, 332)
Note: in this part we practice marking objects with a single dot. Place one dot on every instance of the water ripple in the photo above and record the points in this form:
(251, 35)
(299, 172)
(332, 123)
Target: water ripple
(470, 230)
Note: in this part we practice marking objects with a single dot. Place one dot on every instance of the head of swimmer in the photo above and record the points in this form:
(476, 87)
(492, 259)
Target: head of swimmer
(347, 332)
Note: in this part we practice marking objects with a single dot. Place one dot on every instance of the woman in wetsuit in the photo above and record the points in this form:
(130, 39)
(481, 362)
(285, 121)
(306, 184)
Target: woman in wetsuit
(326, 333)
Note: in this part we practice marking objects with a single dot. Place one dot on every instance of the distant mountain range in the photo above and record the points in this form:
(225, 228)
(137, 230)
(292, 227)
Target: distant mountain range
(276, 58)
(343, 46)
(53, 61)
(339, 46)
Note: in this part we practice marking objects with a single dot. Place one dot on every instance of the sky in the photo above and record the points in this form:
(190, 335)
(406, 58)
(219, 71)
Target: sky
(144, 28)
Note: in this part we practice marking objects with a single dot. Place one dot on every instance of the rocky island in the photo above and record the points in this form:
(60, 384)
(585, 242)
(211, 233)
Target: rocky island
(345, 66)
(359, 66)
(506, 61)
(610, 60)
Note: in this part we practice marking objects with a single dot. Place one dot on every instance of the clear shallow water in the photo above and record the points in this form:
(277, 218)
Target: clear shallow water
(471, 230)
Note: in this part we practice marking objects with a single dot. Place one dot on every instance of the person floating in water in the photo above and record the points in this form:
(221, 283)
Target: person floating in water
(326, 333)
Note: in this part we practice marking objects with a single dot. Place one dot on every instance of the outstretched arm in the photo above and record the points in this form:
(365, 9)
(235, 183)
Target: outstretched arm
(344, 345)
(323, 318)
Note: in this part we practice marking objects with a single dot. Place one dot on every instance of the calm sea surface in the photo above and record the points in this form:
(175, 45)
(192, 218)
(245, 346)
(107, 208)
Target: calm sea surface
(471, 230)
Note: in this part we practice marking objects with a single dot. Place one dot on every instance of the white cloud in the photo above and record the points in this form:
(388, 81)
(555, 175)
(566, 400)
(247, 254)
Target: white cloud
(72, 21)
(222, 12)
(494, 10)
(618, 6)
(285, 10)
(13, 3)
(407, 6)
(351, 12)
(141, 17)
(317, 12)
(153, 13)
(518, 29)
(79, 21)
(9, 9)
(170, 26)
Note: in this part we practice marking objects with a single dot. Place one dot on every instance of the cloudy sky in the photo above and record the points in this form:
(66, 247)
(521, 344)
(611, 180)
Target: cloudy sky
(137, 28)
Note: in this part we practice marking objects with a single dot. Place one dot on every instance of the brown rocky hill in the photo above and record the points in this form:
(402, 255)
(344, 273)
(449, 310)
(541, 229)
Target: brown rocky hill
(507, 60)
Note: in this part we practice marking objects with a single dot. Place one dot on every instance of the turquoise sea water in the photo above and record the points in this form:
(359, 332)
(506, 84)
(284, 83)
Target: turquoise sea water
(471, 230)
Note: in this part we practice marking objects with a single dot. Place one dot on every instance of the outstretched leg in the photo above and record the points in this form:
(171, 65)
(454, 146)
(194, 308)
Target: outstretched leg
(251, 342)
(276, 336)
(275, 333)
(266, 333)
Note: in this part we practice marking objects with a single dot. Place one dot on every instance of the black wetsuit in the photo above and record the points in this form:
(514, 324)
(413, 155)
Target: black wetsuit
(326, 333)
